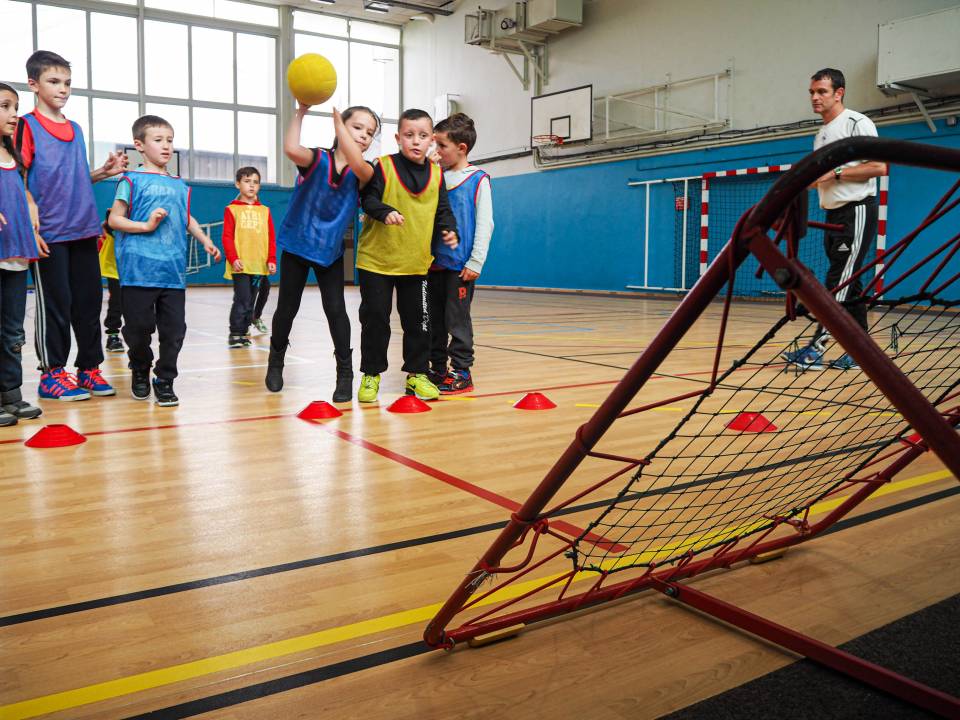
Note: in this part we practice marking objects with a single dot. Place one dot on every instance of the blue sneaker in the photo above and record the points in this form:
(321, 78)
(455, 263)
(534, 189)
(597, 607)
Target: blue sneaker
(806, 359)
(844, 362)
(93, 381)
(58, 384)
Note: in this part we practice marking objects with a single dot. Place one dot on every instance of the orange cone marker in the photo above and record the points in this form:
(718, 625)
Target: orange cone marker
(409, 404)
(319, 410)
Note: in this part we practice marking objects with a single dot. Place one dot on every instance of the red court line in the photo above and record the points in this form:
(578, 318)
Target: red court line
(461, 484)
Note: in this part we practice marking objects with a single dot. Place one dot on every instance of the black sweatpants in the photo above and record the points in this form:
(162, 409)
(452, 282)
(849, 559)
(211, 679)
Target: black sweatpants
(69, 294)
(246, 291)
(846, 250)
(114, 319)
(262, 294)
(146, 310)
(294, 271)
(449, 304)
(376, 303)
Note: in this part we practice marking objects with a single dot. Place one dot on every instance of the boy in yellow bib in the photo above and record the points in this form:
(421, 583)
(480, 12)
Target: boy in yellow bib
(406, 206)
(251, 250)
(113, 321)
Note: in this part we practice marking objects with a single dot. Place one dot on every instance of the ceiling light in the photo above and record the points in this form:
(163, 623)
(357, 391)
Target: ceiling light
(324, 2)
(376, 7)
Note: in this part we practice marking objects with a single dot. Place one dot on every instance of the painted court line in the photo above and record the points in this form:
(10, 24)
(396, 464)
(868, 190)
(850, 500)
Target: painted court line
(99, 692)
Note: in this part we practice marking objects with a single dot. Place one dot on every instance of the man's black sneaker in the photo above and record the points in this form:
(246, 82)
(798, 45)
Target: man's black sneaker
(114, 343)
(163, 392)
(456, 383)
(140, 384)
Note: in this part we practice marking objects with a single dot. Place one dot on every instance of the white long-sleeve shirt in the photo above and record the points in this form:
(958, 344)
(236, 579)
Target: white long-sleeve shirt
(484, 224)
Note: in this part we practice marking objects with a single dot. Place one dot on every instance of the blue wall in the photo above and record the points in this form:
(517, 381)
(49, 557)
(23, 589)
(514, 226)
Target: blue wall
(582, 227)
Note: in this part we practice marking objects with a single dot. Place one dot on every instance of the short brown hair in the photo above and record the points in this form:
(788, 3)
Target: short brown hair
(44, 60)
(145, 122)
(459, 128)
(247, 172)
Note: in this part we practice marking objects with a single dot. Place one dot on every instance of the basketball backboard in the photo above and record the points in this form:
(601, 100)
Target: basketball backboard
(568, 114)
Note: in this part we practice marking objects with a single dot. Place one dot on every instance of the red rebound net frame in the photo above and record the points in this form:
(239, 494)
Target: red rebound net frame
(766, 454)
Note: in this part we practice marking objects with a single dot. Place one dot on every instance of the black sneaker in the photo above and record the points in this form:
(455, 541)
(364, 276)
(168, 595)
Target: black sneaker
(114, 343)
(163, 391)
(140, 384)
(456, 383)
(236, 341)
(437, 376)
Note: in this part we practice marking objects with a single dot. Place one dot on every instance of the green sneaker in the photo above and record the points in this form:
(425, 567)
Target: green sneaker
(369, 385)
(261, 326)
(421, 386)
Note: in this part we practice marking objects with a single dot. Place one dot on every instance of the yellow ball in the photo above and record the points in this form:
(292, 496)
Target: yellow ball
(312, 79)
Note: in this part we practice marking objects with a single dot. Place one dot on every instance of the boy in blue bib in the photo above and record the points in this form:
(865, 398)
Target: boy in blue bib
(68, 291)
(456, 269)
(151, 217)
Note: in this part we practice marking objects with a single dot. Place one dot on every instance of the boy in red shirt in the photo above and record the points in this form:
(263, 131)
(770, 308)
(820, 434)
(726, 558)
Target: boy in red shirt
(251, 250)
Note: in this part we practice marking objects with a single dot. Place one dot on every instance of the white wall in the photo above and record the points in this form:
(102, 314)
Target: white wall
(628, 44)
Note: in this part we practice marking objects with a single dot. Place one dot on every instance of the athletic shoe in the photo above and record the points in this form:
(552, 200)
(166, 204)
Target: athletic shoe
(456, 383)
(114, 343)
(163, 393)
(844, 362)
(93, 381)
(421, 386)
(237, 341)
(805, 359)
(437, 376)
(7, 419)
(260, 325)
(369, 386)
(58, 384)
(22, 409)
(140, 385)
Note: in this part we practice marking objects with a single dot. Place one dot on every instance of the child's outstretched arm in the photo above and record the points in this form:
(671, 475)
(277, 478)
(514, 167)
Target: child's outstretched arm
(193, 227)
(345, 143)
(119, 220)
(301, 156)
(115, 164)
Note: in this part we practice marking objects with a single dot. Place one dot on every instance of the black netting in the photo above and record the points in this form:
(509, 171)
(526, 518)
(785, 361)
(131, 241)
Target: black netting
(686, 266)
(708, 485)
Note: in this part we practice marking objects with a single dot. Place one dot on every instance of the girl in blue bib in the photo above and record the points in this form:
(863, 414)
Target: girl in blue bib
(323, 204)
(19, 244)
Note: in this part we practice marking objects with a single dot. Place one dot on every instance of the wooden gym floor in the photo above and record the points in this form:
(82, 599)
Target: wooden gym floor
(226, 549)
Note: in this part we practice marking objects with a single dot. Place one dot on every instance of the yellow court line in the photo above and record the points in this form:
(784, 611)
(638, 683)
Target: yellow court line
(198, 668)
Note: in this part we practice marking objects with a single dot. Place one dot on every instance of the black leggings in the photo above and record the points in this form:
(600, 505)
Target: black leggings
(293, 279)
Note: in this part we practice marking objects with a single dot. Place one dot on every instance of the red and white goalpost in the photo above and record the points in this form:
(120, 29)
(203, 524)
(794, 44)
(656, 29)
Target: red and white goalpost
(763, 457)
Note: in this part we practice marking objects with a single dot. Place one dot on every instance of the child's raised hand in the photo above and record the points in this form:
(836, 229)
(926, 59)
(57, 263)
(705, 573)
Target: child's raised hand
(450, 238)
(302, 109)
(271, 268)
(394, 218)
(238, 265)
(434, 157)
(156, 217)
(115, 164)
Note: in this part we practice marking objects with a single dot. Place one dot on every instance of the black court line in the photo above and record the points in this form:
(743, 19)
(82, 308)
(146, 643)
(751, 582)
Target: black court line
(365, 662)
(553, 357)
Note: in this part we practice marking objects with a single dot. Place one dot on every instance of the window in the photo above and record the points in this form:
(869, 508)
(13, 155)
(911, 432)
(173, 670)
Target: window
(112, 127)
(165, 59)
(375, 78)
(212, 156)
(114, 65)
(212, 62)
(220, 9)
(64, 30)
(256, 70)
(375, 33)
(17, 24)
(255, 144)
(323, 24)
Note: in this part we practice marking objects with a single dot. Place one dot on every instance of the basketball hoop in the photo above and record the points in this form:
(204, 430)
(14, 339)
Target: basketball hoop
(546, 145)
